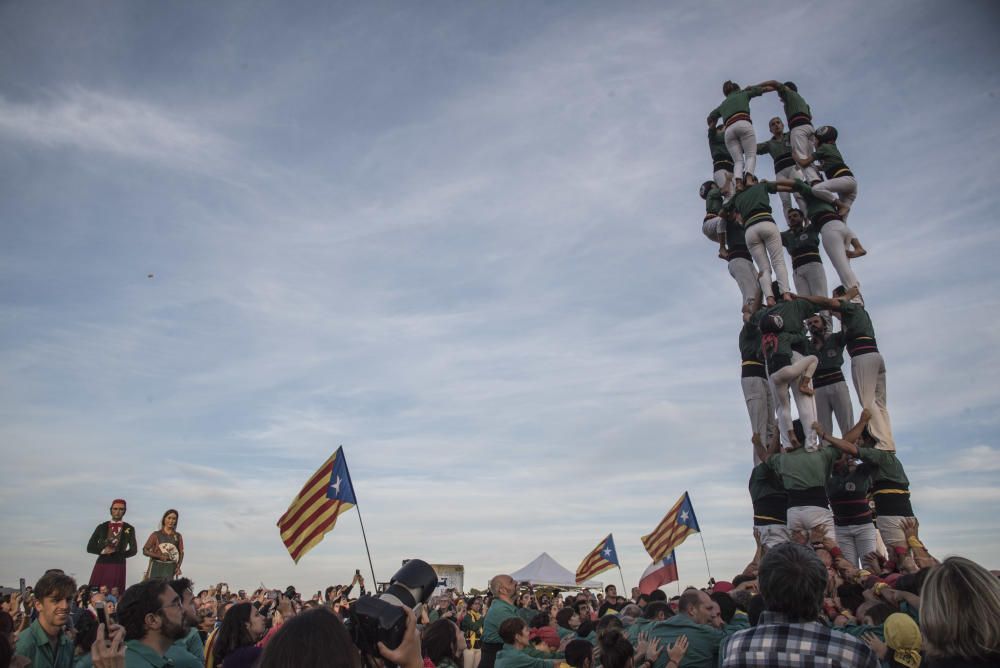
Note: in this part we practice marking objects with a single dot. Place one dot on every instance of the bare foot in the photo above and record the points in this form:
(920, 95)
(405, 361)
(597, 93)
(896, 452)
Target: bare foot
(724, 254)
(770, 301)
(792, 441)
(805, 387)
(857, 249)
(787, 296)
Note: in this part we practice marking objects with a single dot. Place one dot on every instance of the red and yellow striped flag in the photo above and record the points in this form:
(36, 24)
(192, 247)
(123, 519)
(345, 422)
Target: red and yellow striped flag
(677, 525)
(315, 510)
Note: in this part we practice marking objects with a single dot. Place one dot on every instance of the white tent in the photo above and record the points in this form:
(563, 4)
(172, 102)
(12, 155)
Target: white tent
(544, 570)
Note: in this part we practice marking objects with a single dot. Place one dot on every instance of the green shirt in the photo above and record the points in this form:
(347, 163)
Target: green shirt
(717, 146)
(511, 657)
(814, 205)
(84, 661)
(794, 104)
(737, 102)
(713, 200)
(750, 343)
(793, 316)
(736, 239)
(34, 643)
(703, 640)
(833, 162)
(889, 468)
(830, 354)
(182, 658)
(801, 241)
(855, 321)
(499, 612)
(752, 200)
(801, 470)
(140, 655)
(779, 149)
(764, 482)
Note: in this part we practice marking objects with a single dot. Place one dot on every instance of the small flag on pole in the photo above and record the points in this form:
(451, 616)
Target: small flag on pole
(600, 559)
(658, 574)
(678, 524)
(314, 512)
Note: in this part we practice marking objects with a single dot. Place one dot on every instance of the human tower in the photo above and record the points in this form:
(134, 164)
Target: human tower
(852, 485)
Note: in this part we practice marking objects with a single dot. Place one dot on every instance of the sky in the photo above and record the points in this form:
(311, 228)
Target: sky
(463, 240)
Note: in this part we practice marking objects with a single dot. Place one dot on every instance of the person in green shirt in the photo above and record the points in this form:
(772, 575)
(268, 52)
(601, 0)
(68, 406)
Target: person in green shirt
(153, 616)
(800, 128)
(839, 241)
(890, 485)
(740, 138)
(832, 396)
(803, 475)
(693, 620)
(516, 639)
(189, 651)
(504, 588)
(752, 207)
(867, 363)
(722, 162)
(44, 642)
(753, 381)
(802, 242)
(840, 187)
(712, 226)
(770, 501)
(779, 147)
(789, 366)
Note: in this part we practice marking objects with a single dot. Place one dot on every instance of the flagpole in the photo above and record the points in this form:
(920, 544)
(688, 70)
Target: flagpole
(706, 555)
(361, 522)
(624, 588)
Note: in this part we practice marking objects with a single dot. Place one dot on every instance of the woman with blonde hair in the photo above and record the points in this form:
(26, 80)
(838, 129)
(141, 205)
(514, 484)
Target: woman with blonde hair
(960, 615)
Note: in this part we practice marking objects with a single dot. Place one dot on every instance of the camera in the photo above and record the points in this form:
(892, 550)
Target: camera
(382, 618)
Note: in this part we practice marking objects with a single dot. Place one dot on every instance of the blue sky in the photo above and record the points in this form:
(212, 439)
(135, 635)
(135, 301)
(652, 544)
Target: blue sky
(462, 240)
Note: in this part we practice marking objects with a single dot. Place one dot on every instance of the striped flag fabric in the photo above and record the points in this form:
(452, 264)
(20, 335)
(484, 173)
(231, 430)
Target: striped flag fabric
(658, 574)
(600, 559)
(677, 525)
(314, 512)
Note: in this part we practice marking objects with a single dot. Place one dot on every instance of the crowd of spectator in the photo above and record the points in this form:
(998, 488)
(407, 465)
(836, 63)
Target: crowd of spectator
(798, 603)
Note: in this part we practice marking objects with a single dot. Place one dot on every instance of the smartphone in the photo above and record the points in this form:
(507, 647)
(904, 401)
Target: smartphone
(102, 615)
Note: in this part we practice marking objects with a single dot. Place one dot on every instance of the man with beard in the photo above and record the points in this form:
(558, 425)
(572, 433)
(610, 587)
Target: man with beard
(153, 616)
(113, 542)
(189, 651)
(44, 641)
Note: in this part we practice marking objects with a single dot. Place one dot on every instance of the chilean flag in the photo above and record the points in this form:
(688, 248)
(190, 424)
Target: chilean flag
(658, 574)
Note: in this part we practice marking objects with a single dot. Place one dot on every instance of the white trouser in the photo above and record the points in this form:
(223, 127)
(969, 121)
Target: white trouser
(724, 179)
(713, 227)
(836, 238)
(773, 534)
(810, 279)
(868, 373)
(856, 540)
(891, 531)
(764, 242)
(760, 407)
(742, 271)
(805, 518)
(845, 186)
(742, 144)
(834, 399)
(791, 375)
(786, 198)
(802, 147)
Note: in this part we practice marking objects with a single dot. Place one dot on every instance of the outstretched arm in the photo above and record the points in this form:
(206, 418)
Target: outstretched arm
(845, 444)
(827, 302)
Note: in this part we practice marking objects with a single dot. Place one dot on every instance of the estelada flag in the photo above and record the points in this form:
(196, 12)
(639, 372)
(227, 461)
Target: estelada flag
(658, 574)
(600, 559)
(677, 525)
(315, 510)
